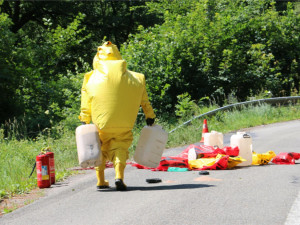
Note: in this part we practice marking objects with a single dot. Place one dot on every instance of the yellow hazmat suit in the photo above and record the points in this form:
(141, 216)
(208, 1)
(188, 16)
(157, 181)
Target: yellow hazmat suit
(111, 97)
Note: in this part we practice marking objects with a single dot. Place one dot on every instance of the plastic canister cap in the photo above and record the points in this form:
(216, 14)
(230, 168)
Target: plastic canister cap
(153, 180)
(215, 132)
(203, 172)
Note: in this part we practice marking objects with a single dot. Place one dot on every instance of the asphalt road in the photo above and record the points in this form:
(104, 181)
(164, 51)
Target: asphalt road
(255, 195)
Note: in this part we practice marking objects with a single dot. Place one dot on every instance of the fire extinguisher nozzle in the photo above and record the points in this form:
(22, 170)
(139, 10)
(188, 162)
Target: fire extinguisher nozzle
(32, 170)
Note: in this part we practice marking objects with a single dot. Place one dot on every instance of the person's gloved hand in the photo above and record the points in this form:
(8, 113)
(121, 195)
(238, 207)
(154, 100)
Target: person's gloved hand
(150, 121)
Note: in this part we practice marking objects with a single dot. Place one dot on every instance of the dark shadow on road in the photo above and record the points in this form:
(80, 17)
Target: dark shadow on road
(59, 184)
(169, 187)
(161, 188)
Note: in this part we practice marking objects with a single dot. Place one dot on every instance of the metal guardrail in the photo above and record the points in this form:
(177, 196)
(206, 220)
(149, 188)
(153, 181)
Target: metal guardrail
(259, 101)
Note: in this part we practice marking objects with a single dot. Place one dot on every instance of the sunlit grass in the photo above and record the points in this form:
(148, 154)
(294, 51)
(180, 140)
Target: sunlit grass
(17, 159)
(233, 120)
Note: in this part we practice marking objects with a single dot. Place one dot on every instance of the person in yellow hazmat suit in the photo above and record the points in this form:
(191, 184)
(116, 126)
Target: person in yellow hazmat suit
(111, 97)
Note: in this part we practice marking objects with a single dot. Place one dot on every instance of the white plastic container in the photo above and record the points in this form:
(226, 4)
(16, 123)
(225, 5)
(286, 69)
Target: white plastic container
(192, 154)
(244, 143)
(88, 146)
(150, 146)
(213, 138)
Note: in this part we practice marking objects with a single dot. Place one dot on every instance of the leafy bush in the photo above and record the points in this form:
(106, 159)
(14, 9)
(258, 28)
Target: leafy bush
(185, 105)
(208, 48)
(215, 48)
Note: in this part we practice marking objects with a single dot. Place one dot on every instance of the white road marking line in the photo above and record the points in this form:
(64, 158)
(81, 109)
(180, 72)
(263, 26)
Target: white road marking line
(293, 217)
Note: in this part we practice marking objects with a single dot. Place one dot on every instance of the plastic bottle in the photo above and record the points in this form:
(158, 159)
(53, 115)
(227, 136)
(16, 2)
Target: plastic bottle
(150, 146)
(244, 142)
(88, 146)
(213, 138)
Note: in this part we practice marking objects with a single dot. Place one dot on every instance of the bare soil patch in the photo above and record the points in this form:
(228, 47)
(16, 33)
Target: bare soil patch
(8, 205)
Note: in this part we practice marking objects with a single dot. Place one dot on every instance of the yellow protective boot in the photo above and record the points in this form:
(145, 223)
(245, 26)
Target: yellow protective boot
(119, 169)
(102, 183)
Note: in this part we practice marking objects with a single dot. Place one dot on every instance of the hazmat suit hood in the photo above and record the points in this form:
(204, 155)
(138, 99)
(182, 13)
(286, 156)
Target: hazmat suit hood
(105, 52)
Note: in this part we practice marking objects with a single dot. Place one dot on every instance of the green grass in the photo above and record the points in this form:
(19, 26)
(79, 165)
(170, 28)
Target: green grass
(17, 157)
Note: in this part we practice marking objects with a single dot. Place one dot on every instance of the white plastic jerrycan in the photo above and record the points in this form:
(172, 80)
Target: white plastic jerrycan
(150, 146)
(88, 146)
(244, 143)
(213, 138)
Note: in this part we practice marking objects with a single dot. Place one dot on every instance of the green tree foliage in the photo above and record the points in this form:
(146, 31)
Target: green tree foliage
(189, 48)
(44, 49)
(215, 48)
(8, 79)
(40, 65)
(111, 19)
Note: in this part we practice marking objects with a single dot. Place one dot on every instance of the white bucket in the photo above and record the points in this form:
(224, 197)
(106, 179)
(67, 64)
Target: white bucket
(88, 146)
(244, 143)
(213, 138)
(150, 146)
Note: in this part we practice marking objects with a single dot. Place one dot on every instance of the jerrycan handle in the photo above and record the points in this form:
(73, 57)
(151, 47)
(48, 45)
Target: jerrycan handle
(246, 136)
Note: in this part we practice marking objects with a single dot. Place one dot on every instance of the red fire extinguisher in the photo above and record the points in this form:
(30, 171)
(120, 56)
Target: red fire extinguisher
(52, 166)
(45, 167)
(43, 171)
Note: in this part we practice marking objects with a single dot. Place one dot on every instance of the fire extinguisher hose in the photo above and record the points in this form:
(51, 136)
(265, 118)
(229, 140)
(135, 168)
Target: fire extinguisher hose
(32, 170)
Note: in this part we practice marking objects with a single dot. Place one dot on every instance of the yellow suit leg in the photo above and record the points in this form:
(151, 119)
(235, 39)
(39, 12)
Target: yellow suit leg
(115, 146)
(101, 182)
(119, 168)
